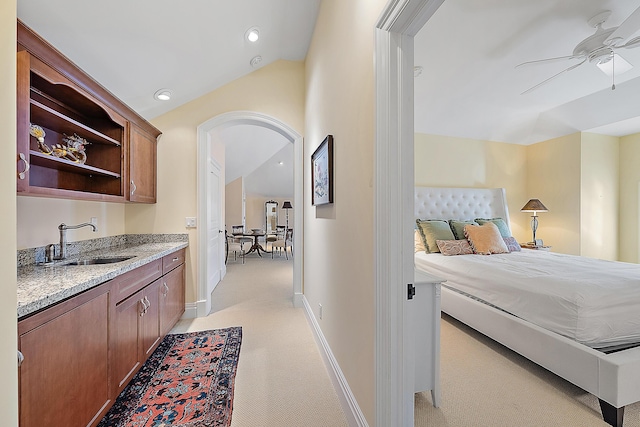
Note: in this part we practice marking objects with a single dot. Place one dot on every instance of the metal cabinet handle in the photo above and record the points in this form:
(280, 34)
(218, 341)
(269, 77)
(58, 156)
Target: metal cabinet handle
(175, 259)
(133, 190)
(144, 307)
(20, 358)
(23, 174)
(166, 289)
(148, 303)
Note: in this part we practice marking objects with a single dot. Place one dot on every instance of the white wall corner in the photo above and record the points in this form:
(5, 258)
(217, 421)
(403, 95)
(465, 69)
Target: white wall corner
(350, 406)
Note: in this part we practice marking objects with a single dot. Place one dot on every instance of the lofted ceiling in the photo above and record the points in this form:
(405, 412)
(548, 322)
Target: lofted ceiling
(137, 48)
(262, 156)
(470, 88)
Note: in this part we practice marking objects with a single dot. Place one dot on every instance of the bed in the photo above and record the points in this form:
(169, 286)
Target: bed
(572, 341)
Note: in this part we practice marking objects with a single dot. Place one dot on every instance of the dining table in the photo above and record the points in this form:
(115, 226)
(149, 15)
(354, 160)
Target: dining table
(256, 246)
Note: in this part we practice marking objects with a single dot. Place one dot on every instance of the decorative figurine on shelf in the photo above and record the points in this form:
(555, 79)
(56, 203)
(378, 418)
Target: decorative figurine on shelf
(74, 150)
(38, 133)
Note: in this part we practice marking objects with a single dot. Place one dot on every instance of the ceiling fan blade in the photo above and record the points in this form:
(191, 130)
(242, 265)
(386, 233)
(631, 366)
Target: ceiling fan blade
(539, 61)
(625, 30)
(634, 42)
(554, 76)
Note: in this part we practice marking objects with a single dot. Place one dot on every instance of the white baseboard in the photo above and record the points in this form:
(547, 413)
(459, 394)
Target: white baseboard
(350, 406)
(298, 300)
(190, 310)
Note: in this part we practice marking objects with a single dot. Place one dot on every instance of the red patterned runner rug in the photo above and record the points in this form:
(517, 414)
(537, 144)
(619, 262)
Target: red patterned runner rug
(187, 382)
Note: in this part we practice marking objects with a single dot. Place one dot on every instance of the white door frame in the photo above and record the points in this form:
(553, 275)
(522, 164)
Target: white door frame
(393, 217)
(206, 131)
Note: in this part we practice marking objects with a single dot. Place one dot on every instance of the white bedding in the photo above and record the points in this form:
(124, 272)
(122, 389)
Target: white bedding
(594, 302)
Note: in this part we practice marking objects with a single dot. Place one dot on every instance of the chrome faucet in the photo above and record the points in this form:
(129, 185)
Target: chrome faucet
(63, 236)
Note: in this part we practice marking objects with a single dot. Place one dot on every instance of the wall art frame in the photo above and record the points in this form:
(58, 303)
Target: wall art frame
(322, 173)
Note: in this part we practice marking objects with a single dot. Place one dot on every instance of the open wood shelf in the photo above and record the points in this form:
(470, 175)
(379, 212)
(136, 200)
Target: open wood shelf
(52, 119)
(54, 93)
(52, 162)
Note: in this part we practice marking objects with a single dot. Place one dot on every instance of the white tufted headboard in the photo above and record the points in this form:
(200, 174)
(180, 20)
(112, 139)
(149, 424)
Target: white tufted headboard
(460, 203)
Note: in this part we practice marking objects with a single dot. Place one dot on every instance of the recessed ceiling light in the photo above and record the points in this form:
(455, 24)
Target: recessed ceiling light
(281, 163)
(253, 34)
(255, 61)
(163, 95)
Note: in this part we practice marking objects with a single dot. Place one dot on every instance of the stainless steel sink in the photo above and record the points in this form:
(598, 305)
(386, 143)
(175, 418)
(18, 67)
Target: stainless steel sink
(93, 261)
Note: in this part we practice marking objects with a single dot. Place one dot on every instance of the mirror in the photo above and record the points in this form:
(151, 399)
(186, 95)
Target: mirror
(271, 216)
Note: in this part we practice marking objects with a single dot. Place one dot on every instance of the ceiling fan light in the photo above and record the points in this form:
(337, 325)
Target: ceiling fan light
(606, 65)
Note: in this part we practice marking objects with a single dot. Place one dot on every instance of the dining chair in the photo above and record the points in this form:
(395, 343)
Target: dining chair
(234, 245)
(273, 237)
(238, 231)
(283, 243)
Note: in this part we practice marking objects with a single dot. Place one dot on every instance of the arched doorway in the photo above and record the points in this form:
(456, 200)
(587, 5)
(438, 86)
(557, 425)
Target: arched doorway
(207, 133)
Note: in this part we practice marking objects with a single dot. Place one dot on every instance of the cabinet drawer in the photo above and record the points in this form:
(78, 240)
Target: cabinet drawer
(171, 261)
(131, 282)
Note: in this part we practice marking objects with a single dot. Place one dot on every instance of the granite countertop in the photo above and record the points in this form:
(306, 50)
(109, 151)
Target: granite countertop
(40, 286)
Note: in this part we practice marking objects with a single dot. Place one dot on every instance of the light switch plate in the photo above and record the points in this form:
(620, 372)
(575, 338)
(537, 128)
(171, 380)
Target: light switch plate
(190, 222)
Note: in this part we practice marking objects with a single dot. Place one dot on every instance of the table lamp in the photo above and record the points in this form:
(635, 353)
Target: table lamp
(535, 206)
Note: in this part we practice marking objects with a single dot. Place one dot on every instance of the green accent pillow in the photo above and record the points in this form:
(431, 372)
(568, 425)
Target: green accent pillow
(432, 230)
(458, 227)
(499, 222)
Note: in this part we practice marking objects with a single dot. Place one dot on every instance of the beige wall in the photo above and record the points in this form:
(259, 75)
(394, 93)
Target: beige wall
(338, 238)
(442, 161)
(553, 176)
(233, 195)
(577, 178)
(8, 299)
(39, 217)
(276, 90)
(599, 201)
(629, 198)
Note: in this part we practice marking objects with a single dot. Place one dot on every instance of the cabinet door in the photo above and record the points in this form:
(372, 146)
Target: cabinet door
(142, 166)
(23, 88)
(126, 354)
(150, 320)
(64, 379)
(171, 299)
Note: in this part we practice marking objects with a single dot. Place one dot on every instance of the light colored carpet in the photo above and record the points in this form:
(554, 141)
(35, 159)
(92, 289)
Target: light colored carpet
(281, 379)
(485, 384)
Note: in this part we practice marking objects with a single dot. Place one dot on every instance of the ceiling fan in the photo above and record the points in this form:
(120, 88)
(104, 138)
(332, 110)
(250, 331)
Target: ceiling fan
(599, 48)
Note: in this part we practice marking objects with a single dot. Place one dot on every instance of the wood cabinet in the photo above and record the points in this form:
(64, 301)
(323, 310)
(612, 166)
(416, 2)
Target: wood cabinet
(64, 378)
(142, 166)
(137, 332)
(79, 354)
(54, 94)
(171, 299)
(148, 303)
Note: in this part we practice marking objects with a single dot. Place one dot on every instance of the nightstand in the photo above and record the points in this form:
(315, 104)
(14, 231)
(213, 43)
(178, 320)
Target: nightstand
(424, 311)
(535, 248)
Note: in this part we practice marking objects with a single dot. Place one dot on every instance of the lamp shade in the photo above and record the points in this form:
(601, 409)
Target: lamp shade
(534, 205)
(287, 205)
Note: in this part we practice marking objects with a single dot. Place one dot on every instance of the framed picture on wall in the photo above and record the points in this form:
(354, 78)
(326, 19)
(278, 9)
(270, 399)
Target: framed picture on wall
(322, 173)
